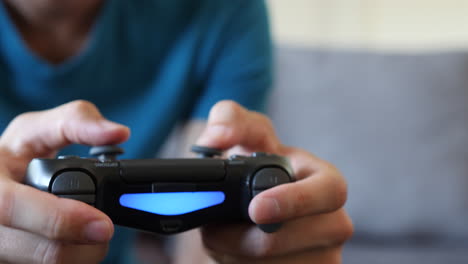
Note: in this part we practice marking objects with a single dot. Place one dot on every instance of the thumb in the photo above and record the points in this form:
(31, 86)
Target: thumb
(41, 134)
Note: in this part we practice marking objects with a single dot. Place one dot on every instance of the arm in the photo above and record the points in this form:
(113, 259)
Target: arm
(236, 61)
(315, 223)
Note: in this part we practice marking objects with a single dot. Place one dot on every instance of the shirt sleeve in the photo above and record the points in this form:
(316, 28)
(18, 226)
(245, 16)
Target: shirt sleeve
(239, 67)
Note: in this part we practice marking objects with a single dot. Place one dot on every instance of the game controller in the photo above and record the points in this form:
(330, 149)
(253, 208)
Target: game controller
(165, 196)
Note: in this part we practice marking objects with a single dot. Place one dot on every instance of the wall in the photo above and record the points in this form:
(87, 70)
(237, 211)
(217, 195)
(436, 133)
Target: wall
(403, 25)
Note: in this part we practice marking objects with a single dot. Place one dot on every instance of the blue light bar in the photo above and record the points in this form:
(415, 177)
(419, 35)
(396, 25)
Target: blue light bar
(171, 203)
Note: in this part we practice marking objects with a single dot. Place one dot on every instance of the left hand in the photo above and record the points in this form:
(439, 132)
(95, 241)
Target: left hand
(315, 225)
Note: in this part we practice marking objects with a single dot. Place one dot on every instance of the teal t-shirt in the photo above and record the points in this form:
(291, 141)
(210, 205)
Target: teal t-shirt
(148, 64)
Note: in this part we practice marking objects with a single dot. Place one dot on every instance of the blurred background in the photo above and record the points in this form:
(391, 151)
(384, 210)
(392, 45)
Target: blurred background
(397, 25)
(380, 88)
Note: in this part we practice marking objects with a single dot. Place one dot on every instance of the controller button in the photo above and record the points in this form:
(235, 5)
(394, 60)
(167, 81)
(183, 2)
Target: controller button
(85, 198)
(237, 157)
(269, 177)
(73, 182)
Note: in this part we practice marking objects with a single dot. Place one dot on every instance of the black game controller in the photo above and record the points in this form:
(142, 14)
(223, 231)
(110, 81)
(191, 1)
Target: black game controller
(165, 196)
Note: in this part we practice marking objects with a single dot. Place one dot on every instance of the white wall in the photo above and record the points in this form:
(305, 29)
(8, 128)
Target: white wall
(403, 25)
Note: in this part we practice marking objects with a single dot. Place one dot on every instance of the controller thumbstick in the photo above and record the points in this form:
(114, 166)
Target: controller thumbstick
(206, 152)
(106, 153)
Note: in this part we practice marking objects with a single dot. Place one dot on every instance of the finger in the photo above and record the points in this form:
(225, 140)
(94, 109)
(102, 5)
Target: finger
(306, 233)
(229, 124)
(31, 210)
(20, 247)
(320, 189)
(40, 134)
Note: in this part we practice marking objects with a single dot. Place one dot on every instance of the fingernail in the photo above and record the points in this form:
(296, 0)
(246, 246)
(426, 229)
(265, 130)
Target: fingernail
(268, 210)
(212, 134)
(98, 231)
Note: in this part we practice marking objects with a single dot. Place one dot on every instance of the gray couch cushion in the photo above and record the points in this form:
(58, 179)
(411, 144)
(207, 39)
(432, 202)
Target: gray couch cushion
(368, 254)
(397, 127)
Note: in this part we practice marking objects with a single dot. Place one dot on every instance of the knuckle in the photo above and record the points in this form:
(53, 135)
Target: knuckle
(268, 130)
(335, 256)
(53, 228)
(328, 254)
(329, 168)
(219, 257)
(300, 205)
(48, 252)
(341, 194)
(70, 114)
(338, 186)
(348, 228)
(81, 107)
(9, 139)
(6, 203)
(344, 230)
(266, 121)
(266, 246)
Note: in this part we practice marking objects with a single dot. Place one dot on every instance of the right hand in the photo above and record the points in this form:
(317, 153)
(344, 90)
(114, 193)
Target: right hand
(38, 227)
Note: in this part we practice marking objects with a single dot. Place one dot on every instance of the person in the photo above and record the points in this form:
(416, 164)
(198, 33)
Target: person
(150, 65)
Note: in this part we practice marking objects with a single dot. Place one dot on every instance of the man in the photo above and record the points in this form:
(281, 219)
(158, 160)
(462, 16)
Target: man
(149, 65)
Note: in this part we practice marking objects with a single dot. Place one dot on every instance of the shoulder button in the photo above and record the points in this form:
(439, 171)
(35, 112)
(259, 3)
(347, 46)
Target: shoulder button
(269, 177)
(259, 154)
(73, 182)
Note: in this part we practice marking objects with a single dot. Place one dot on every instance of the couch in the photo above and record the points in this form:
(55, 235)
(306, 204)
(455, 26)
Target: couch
(396, 125)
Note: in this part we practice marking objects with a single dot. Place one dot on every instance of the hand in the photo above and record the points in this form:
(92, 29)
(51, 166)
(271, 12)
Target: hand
(315, 225)
(38, 227)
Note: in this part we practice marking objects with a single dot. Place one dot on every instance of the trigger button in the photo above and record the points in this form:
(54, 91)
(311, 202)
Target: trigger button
(269, 177)
(73, 182)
